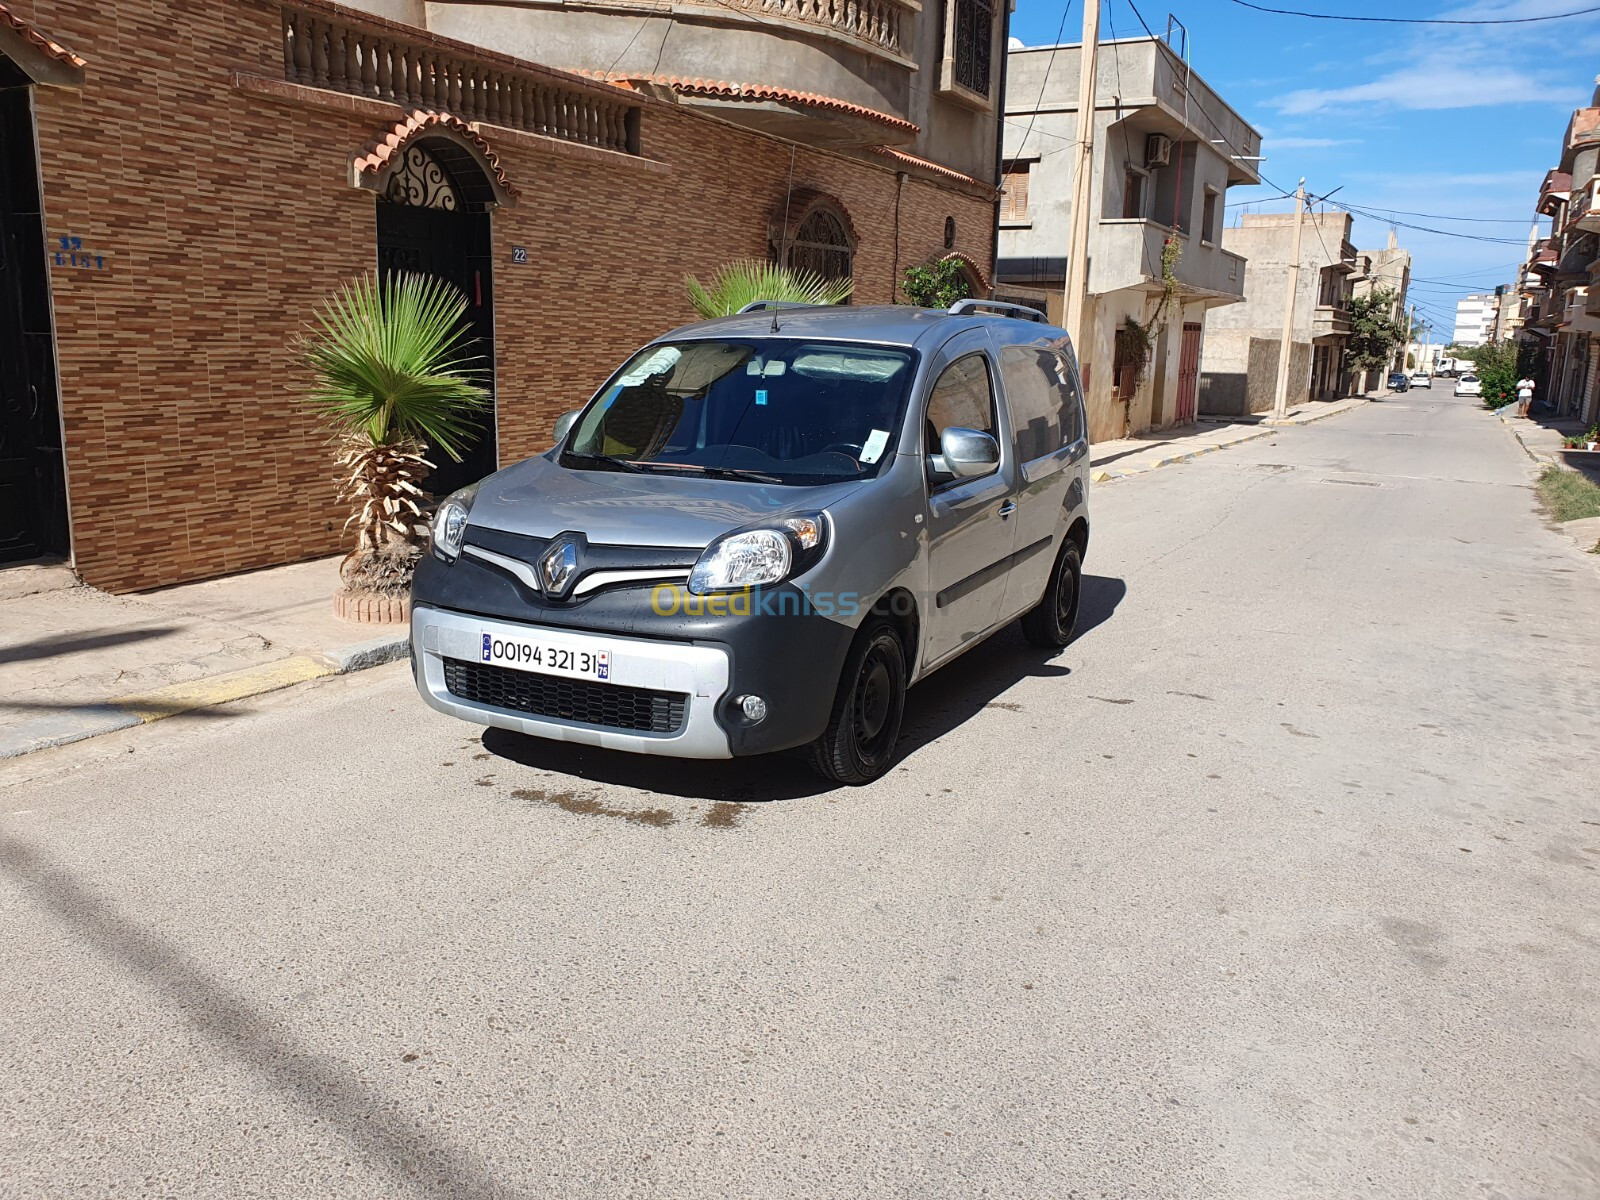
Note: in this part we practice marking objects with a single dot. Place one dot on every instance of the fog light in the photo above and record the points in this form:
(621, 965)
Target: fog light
(754, 709)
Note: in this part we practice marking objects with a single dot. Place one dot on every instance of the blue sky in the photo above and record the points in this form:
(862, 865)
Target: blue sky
(1451, 122)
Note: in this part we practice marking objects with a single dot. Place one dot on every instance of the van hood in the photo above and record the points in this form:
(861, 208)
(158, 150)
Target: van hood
(540, 498)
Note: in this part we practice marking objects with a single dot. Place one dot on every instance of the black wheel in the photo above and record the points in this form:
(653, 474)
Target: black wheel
(1052, 622)
(858, 745)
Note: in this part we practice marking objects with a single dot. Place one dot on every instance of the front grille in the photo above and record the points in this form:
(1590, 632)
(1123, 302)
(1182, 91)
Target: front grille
(606, 704)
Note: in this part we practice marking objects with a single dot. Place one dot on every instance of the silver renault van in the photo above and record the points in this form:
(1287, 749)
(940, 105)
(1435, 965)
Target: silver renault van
(762, 530)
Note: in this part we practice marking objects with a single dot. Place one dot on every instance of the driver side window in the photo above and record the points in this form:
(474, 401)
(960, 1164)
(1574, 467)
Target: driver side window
(963, 397)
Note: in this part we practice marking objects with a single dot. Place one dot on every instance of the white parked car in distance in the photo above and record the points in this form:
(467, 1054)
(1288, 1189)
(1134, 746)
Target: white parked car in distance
(1468, 385)
(1421, 379)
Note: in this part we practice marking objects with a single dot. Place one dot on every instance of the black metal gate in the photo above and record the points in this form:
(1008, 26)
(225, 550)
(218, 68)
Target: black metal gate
(33, 485)
(454, 245)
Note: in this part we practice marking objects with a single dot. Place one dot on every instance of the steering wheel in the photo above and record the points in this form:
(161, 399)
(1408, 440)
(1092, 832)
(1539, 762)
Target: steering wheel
(853, 449)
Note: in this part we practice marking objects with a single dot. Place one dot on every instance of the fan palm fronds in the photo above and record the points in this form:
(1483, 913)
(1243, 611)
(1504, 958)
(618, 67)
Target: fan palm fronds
(747, 280)
(390, 363)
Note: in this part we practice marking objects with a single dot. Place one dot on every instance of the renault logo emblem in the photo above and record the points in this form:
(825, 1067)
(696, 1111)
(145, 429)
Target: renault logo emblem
(558, 566)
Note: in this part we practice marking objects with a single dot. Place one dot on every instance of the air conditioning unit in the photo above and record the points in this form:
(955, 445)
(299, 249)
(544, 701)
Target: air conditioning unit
(1157, 150)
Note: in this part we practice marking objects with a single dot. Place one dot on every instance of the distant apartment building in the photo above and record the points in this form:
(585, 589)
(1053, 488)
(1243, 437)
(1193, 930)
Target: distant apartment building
(1240, 368)
(1475, 319)
(1167, 149)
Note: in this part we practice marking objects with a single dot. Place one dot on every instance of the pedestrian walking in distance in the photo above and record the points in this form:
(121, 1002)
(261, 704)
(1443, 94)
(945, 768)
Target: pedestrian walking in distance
(1524, 395)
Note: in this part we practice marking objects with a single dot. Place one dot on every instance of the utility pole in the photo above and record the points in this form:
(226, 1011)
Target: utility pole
(1411, 334)
(1077, 282)
(1280, 395)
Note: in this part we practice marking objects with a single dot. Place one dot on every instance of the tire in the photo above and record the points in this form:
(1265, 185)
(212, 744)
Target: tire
(1052, 622)
(858, 745)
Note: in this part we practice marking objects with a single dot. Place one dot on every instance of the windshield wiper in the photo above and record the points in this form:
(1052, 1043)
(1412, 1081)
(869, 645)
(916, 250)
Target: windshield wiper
(599, 462)
(663, 468)
(740, 473)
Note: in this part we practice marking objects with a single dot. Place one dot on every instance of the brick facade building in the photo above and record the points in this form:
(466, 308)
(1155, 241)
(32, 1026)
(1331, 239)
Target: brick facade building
(208, 175)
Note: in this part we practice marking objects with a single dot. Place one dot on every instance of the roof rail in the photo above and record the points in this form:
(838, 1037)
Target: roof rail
(964, 308)
(760, 305)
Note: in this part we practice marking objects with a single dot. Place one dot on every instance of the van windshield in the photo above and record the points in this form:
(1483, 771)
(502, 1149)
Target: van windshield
(772, 410)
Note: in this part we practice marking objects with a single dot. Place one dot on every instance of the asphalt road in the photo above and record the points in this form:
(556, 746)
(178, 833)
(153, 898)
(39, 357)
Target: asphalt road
(1280, 882)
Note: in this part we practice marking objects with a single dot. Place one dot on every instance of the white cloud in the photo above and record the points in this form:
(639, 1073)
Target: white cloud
(1430, 84)
(1307, 143)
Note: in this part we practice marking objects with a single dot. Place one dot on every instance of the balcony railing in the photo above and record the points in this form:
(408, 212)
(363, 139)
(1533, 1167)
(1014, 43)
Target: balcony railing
(879, 22)
(324, 51)
(1329, 321)
(1583, 211)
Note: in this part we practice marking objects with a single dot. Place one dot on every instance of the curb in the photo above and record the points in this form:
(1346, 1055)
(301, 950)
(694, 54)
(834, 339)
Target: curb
(1314, 418)
(124, 712)
(1509, 423)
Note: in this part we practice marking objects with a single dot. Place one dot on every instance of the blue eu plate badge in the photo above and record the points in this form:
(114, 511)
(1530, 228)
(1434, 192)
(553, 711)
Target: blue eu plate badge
(487, 642)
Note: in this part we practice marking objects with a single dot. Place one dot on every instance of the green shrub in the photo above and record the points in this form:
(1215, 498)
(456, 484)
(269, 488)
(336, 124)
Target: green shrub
(938, 285)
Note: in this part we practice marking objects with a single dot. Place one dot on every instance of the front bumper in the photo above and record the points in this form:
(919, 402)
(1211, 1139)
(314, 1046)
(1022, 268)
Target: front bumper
(789, 656)
(697, 673)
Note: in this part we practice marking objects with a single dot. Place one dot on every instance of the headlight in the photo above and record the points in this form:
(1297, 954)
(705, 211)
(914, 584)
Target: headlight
(450, 523)
(757, 557)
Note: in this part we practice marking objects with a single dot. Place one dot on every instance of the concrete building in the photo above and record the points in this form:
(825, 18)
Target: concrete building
(1561, 281)
(184, 182)
(1475, 319)
(1386, 270)
(1240, 369)
(1166, 150)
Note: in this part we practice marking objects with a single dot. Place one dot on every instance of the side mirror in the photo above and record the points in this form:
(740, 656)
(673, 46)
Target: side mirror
(564, 424)
(967, 452)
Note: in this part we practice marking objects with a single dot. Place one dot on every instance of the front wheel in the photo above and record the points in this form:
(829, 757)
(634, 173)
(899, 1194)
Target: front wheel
(1052, 622)
(858, 745)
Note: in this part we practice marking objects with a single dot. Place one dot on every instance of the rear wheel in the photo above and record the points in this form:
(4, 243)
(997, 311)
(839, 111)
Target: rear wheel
(1052, 622)
(858, 745)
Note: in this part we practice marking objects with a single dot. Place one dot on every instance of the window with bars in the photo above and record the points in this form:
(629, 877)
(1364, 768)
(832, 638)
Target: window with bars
(972, 34)
(822, 245)
(1014, 192)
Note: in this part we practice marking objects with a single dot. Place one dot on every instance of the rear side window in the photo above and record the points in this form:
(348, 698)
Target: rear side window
(963, 397)
(1042, 396)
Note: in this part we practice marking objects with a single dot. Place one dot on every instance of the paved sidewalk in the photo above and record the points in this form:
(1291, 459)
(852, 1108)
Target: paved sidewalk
(1542, 438)
(76, 662)
(1134, 456)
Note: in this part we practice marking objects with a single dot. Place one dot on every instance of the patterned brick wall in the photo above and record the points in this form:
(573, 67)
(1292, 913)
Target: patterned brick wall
(217, 215)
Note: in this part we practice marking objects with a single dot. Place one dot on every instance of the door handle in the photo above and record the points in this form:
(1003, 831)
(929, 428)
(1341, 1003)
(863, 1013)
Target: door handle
(1006, 509)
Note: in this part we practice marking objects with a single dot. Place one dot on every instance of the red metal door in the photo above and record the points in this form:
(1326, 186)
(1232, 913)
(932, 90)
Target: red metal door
(1188, 374)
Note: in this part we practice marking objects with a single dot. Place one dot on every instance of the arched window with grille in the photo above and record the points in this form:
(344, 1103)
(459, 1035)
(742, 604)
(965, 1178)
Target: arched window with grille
(812, 231)
(822, 244)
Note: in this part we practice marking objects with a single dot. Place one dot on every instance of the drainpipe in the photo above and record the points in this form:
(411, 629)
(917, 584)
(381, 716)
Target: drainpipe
(999, 143)
(894, 277)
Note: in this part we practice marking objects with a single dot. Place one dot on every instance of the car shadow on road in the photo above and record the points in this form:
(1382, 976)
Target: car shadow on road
(943, 702)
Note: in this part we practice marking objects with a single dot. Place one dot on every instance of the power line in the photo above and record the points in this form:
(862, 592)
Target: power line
(1039, 103)
(1291, 12)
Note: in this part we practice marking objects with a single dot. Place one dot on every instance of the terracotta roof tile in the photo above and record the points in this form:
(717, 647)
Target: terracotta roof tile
(936, 168)
(385, 148)
(758, 91)
(34, 38)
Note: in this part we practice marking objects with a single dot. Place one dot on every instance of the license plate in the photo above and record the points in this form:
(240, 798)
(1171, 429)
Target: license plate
(531, 654)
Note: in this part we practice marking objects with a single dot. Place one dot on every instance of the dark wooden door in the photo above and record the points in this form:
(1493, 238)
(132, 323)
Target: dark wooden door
(454, 246)
(1188, 374)
(33, 485)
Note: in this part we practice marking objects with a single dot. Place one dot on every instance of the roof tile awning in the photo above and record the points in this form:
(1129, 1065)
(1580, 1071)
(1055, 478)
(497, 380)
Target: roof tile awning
(40, 57)
(370, 168)
(856, 124)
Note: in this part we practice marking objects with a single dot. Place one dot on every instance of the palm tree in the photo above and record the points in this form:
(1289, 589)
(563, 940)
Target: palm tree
(747, 280)
(392, 381)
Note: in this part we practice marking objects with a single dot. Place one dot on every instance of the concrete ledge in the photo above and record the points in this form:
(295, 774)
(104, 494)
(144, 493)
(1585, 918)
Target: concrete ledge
(368, 654)
(123, 712)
